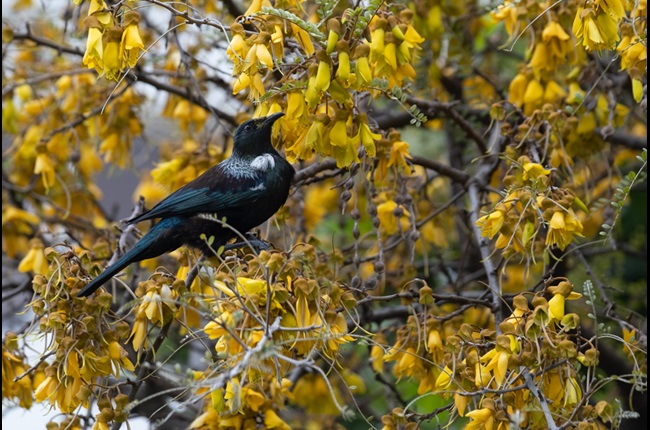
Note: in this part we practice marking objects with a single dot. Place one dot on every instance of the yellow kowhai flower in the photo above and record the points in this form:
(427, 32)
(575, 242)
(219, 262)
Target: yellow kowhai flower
(296, 109)
(317, 139)
(238, 48)
(303, 39)
(366, 136)
(18, 220)
(552, 50)
(445, 379)
(337, 333)
(562, 227)
(613, 8)
(100, 424)
(388, 218)
(115, 149)
(409, 364)
(256, 6)
(498, 365)
(343, 69)
(323, 72)
(533, 96)
(93, 57)
(377, 36)
(553, 92)
(120, 358)
(334, 28)
(572, 393)
(95, 7)
(220, 326)
(35, 260)
(399, 152)
(112, 58)
(44, 167)
(47, 389)
(481, 419)
(155, 304)
(507, 13)
(139, 332)
(491, 223)
(518, 89)
(259, 54)
(188, 114)
(242, 82)
(344, 148)
(461, 403)
(131, 42)
(377, 358)
(598, 29)
(277, 41)
(362, 66)
(533, 171)
(273, 421)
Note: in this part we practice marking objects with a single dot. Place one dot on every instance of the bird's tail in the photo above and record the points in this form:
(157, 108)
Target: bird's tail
(157, 241)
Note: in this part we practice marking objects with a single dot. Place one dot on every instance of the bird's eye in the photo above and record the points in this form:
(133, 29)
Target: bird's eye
(248, 127)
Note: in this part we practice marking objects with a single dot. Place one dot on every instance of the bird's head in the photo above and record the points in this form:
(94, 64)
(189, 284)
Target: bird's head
(253, 137)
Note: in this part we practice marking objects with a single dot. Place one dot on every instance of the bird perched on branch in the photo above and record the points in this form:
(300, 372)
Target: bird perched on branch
(244, 190)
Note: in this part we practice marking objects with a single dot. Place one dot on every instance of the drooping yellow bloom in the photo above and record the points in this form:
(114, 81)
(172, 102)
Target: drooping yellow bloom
(533, 95)
(386, 212)
(334, 28)
(44, 167)
(552, 50)
(553, 92)
(366, 136)
(259, 56)
(303, 39)
(238, 48)
(35, 260)
(399, 153)
(562, 227)
(597, 28)
(507, 13)
(481, 419)
(491, 223)
(518, 89)
(256, 6)
(363, 72)
(139, 332)
(533, 171)
(556, 307)
(112, 57)
(94, 46)
(115, 149)
(131, 43)
(273, 421)
(343, 69)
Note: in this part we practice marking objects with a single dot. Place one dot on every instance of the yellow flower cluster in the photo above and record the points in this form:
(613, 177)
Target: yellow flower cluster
(597, 24)
(459, 358)
(320, 116)
(85, 341)
(114, 41)
(518, 218)
(17, 383)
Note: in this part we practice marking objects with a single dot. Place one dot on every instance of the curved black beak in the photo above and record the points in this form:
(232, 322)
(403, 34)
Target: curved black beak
(269, 120)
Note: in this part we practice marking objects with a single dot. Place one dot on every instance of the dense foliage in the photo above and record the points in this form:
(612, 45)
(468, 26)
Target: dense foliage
(464, 243)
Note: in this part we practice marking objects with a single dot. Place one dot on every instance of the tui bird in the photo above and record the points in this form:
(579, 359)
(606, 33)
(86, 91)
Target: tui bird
(246, 189)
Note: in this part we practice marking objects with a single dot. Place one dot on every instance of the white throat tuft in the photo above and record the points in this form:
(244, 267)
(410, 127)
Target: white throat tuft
(263, 162)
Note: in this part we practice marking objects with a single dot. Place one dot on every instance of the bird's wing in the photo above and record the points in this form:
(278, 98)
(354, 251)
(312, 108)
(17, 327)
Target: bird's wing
(211, 197)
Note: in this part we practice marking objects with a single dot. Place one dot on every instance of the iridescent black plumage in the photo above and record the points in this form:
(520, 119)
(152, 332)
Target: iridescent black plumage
(246, 189)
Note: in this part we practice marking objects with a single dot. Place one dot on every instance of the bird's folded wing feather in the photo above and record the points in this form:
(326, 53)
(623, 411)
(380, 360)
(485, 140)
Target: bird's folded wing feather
(188, 201)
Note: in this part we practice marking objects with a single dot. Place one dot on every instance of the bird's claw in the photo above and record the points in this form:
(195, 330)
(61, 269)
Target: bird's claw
(252, 242)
